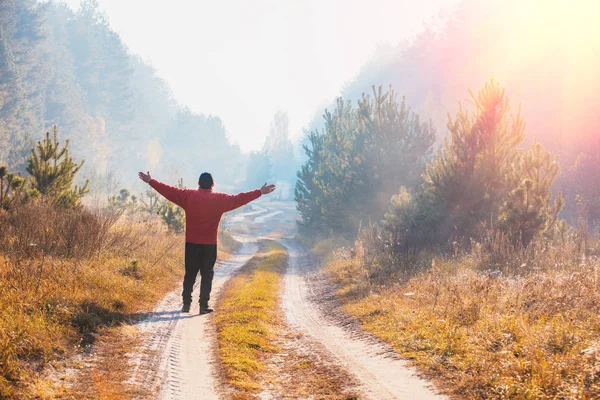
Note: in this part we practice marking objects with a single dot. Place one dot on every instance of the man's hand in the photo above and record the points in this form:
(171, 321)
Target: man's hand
(266, 189)
(145, 176)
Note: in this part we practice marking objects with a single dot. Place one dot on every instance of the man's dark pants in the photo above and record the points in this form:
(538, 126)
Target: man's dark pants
(199, 258)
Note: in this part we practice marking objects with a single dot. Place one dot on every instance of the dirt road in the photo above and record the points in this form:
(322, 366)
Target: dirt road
(177, 357)
(381, 374)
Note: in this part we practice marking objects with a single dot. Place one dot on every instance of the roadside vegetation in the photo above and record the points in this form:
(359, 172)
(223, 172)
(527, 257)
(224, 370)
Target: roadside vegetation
(481, 272)
(528, 331)
(65, 275)
(70, 276)
(258, 353)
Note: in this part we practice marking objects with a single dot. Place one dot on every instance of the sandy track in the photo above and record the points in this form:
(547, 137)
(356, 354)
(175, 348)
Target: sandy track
(176, 359)
(380, 373)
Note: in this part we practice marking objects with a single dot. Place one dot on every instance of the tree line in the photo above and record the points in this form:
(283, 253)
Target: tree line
(552, 75)
(66, 68)
(371, 164)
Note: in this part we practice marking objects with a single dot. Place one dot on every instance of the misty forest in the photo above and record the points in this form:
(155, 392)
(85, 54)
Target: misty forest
(434, 231)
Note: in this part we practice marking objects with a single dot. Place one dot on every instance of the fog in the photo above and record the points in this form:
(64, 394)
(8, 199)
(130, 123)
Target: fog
(243, 61)
(205, 93)
(544, 53)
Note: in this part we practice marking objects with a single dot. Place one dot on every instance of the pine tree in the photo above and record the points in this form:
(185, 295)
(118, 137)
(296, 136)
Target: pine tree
(359, 161)
(480, 178)
(396, 145)
(151, 203)
(173, 215)
(528, 209)
(307, 192)
(53, 171)
(470, 174)
(123, 201)
(337, 176)
(13, 189)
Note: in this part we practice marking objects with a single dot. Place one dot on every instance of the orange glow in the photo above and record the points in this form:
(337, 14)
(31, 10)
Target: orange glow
(547, 55)
(573, 29)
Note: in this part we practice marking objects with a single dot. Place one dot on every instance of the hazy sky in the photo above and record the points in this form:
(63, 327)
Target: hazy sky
(243, 60)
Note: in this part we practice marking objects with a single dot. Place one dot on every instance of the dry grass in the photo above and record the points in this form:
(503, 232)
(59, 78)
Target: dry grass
(106, 375)
(247, 317)
(65, 276)
(530, 333)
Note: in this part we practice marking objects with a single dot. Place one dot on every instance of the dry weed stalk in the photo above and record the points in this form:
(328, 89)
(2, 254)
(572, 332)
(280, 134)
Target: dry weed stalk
(495, 321)
(65, 274)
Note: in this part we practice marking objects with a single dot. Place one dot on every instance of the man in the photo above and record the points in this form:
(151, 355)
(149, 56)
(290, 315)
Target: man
(203, 211)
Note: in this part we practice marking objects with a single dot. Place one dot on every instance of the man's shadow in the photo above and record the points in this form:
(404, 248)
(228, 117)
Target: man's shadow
(90, 317)
(160, 316)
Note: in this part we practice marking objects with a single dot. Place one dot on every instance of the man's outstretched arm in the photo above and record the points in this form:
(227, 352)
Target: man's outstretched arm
(171, 193)
(240, 199)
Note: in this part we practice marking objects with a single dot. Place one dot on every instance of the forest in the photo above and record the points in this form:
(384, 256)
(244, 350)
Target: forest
(69, 69)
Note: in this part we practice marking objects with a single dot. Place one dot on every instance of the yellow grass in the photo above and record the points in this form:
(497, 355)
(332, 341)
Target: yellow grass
(51, 306)
(247, 315)
(481, 335)
(70, 280)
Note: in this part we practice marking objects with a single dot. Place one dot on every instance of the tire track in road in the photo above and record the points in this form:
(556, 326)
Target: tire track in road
(263, 218)
(176, 359)
(381, 373)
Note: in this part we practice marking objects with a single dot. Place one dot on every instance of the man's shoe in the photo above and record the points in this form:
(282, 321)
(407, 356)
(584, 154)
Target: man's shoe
(186, 308)
(205, 310)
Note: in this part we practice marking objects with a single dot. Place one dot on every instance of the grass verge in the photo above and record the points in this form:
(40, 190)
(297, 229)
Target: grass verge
(248, 317)
(482, 335)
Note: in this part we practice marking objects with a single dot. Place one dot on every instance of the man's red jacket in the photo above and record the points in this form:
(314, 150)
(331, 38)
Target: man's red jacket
(203, 209)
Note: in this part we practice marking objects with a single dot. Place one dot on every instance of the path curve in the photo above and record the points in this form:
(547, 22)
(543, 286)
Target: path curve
(381, 374)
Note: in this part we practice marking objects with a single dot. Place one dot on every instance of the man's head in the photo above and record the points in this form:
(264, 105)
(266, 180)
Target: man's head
(206, 181)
